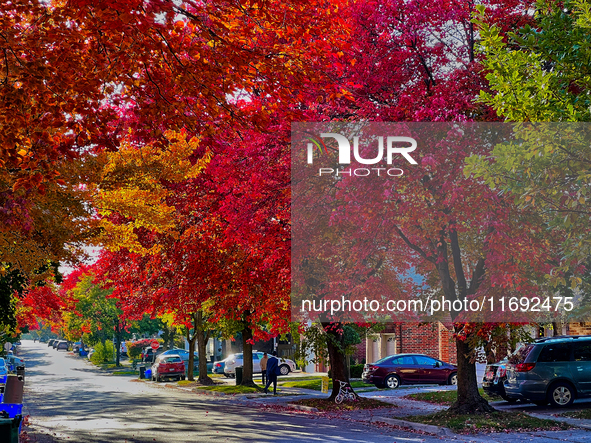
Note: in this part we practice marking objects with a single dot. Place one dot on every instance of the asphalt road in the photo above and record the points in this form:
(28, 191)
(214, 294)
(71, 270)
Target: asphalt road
(69, 400)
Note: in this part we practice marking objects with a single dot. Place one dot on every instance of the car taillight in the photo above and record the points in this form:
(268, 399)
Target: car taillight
(524, 367)
(372, 367)
(502, 372)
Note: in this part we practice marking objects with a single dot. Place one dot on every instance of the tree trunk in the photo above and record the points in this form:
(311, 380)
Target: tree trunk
(202, 338)
(118, 349)
(336, 356)
(247, 357)
(117, 343)
(469, 400)
(191, 362)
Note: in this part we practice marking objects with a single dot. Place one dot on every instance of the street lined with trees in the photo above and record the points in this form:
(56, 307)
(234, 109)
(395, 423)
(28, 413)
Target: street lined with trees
(159, 132)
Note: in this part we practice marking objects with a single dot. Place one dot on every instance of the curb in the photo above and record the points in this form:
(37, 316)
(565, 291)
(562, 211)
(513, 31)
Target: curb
(431, 429)
(303, 408)
(578, 422)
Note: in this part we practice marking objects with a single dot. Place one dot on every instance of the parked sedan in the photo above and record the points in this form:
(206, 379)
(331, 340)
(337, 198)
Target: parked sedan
(62, 346)
(218, 366)
(168, 366)
(394, 370)
(494, 379)
(285, 365)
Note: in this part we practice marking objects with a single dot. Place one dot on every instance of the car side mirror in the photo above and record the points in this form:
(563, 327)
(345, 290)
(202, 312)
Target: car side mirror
(437, 364)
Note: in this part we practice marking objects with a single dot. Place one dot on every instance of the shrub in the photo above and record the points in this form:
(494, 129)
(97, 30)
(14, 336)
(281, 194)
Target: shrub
(102, 353)
(356, 371)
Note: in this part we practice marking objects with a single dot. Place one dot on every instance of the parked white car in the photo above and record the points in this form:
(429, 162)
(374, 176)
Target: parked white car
(285, 364)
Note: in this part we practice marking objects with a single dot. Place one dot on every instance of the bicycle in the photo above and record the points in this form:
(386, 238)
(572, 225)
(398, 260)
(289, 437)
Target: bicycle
(345, 393)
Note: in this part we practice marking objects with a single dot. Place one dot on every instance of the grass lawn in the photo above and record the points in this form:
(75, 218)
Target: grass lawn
(125, 372)
(493, 422)
(316, 384)
(583, 413)
(445, 398)
(231, 389)
(323, 404)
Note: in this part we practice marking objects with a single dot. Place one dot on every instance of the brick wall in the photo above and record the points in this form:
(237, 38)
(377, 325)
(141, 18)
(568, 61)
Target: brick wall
(579, 328)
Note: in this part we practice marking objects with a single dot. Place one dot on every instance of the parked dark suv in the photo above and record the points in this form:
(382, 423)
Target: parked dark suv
(553, 370)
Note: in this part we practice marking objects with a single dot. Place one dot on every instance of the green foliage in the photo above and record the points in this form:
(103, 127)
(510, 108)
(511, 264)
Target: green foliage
(541, 73)
(95, 310)
(356, 371)
(103, 353)
(313, 341)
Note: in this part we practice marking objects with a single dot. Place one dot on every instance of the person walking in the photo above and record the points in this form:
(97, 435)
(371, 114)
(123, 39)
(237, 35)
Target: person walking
(272, 373)
(264, 368)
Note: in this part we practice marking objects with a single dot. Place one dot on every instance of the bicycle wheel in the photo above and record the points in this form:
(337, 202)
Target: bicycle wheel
(339, 398)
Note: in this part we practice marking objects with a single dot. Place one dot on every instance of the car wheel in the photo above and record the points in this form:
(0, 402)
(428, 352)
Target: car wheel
(284, 369)
(561, 395)
(453, 379)
(183, 377)
(392, 381)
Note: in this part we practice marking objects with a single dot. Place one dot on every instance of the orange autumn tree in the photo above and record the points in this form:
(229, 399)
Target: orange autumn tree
(75, 76)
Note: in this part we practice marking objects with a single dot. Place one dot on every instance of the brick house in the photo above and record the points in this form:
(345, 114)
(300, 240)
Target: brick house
(433, 339)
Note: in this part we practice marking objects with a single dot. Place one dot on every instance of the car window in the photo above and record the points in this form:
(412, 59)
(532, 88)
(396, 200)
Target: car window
(555, 352)
(423, 360)
(172, 359)
(256, 356)
(405, 360)
(520, 355)
(387, 360)
(583, 351)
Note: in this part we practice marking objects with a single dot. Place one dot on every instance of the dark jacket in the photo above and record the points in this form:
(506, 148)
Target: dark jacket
(273, 366)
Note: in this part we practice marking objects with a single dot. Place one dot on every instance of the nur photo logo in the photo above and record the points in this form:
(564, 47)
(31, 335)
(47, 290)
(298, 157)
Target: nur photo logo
(387, 148)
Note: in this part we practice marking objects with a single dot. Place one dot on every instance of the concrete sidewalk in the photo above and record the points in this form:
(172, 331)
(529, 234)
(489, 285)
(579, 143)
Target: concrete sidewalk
(404, 407)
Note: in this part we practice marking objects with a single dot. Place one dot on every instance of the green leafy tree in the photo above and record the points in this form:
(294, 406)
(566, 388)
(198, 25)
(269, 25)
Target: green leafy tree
(541, 73)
